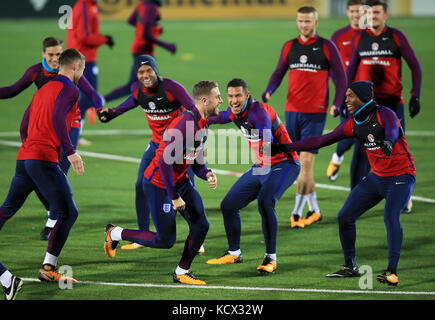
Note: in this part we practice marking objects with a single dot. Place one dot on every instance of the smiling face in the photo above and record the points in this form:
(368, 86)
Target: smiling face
(307, 23)
(51, 56)
(354, 15)
(213, 102)
(237, 97)
(146, 76)
(353, 102)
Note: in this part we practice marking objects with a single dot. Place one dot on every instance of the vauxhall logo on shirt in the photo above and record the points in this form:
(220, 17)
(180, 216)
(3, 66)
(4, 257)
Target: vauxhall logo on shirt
(375, 51)
(304, 65)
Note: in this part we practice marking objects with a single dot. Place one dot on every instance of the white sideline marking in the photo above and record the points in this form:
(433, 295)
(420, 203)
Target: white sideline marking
(108, 156)
(151, 285)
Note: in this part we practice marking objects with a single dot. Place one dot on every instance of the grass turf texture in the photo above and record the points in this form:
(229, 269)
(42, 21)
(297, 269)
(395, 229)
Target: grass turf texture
(215, 50)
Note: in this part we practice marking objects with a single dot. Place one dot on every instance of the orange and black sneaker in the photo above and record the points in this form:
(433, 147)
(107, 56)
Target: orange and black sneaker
(388, 277)
(132, 246)
(109, 244)
(312, 217)
(226, 259)
(332, 170)
(49, 273)
(187, 278)
(296, 221)
(267, 267)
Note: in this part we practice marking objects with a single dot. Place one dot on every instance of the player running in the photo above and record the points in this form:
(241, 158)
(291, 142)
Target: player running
(162, 100)
(167, 182)
(44, 132)
(379, 130)
(273, 173)
(40, 74)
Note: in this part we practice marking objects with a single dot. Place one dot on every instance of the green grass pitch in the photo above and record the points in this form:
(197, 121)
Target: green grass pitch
(213, 50)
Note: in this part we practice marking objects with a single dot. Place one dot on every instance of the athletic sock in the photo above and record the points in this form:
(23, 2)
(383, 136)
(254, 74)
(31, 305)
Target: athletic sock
(299, 204)
(115, 234)
(50, 259)
(271, 256)
(312, 202)
(50, 223)
(6, 279)
(180, 271)
(337, 159)
(235, 253)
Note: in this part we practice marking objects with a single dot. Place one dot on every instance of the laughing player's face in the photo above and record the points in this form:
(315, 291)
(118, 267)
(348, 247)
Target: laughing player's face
(307, 24)
(354, 15)
(214, 101)
(51, 56)
(353, 103)
(237, 98)
(146, 76)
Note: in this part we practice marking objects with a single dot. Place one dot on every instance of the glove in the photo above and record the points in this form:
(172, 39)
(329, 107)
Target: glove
(414, 107)
(107, 115)
(386, 147)
(171, 47)
(110, 41)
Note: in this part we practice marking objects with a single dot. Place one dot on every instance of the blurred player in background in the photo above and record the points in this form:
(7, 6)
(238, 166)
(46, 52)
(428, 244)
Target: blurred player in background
(163, 100)
(310, 58)
(393, 177)
(146, 19)
(40, 74)
(170, 189)
(10, 283)
(44, 132)
(267, 180)
(85, 37)
(377, 57)
(343, 40)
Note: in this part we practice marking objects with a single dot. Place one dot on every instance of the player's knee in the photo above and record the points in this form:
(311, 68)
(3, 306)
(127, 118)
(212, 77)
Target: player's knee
(203, 226)
(265, 202)
(344, 217)
(167, 242)
(227, 206)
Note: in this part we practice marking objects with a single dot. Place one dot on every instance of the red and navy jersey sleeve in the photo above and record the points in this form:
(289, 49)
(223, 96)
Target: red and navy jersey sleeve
(93, 95)
(222, 118)
(176, 92)
(354, 59)
(281, 68)
(411, 59)
(23, 83)
(65, 101)
(337, 68)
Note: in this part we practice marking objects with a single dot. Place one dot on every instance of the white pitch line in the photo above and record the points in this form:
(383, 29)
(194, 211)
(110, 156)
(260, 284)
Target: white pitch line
(114, 157)
(300, 290)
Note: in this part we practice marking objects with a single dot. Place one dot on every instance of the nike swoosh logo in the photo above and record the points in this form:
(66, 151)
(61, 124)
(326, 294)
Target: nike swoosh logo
(143, 62)
(314, 49)
(400, 182)
(345, 43)
(160, 98)
(385, 39)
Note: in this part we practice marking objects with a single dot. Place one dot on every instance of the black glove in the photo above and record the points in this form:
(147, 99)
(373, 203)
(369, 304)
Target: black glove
(110, 41)
(386, 147)
(414, 106)
(108, 115)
